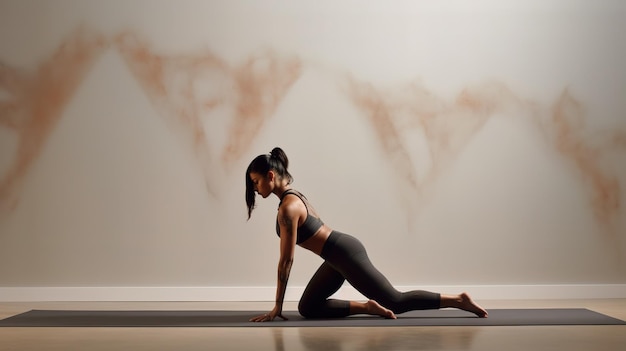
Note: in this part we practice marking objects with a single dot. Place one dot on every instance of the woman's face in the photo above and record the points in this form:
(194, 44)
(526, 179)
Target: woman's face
(262, 183)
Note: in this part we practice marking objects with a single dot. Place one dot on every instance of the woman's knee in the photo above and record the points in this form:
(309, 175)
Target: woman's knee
(306, 308)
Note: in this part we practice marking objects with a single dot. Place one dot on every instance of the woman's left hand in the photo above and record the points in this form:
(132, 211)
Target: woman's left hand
(268, 317)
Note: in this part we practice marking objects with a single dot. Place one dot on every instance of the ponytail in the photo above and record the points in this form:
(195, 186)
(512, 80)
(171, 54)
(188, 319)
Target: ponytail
(279, 163)
(276, 161)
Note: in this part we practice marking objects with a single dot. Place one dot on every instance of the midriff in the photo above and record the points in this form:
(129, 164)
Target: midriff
(316, 243)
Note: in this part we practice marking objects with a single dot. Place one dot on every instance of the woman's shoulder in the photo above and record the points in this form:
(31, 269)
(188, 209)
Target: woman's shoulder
(296, 194)
(294, 202)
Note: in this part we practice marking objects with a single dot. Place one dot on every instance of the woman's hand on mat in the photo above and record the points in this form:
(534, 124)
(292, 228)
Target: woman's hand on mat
(268, 317)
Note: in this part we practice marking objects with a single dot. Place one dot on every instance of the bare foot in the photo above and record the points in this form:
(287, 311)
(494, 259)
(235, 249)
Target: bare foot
(376, 309)
(467, 304)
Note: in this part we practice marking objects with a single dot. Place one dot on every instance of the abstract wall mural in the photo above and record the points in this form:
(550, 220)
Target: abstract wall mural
(187, 87)
(125, 132)
(35, 99)
(448, 126)
(593, 157)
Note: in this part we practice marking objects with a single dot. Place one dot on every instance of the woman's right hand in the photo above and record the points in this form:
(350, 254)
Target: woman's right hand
(268, 317)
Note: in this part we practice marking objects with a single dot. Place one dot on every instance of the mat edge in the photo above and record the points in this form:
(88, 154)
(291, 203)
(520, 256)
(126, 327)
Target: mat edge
(358, 322)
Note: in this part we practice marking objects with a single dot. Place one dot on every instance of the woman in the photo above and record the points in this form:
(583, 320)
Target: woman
(344, 256)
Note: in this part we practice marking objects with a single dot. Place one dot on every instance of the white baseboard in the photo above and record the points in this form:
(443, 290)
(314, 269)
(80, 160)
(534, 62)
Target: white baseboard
(479, 292)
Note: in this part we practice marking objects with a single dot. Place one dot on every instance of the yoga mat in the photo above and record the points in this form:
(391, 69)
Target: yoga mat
(500, 317)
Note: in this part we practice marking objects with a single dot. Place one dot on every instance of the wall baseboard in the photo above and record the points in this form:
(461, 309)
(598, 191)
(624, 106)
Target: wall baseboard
(479, 292)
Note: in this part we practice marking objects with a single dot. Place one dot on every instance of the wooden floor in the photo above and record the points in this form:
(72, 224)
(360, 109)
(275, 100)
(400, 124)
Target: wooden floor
(597, 338)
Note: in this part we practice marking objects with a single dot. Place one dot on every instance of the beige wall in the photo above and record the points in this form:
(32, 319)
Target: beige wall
(464, 142)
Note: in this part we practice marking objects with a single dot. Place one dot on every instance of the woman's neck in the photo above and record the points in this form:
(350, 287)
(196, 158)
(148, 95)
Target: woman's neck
(280, 190)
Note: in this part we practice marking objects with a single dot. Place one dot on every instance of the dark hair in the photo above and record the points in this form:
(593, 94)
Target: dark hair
(276, 161)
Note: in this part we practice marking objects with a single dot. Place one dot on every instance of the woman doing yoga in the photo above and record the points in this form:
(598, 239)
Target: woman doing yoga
(344, 256)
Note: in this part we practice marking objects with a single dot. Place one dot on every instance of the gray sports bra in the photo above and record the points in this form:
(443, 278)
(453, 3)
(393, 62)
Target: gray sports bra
(310, 226)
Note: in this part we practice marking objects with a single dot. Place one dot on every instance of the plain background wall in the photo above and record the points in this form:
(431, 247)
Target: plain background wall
(116, 197)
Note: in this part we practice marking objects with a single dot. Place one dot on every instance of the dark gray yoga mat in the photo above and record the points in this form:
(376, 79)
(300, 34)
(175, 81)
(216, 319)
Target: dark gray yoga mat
(510, 317)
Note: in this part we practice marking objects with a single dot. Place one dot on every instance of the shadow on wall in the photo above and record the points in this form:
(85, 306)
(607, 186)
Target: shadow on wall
(187, 88)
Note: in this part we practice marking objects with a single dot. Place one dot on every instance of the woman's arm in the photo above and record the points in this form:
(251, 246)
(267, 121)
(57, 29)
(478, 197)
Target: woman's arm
(288, 234)
(288, 217)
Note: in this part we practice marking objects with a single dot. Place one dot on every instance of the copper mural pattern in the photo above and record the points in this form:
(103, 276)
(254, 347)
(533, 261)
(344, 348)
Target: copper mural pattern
(573, 140)
(187, 88)
(449, 125)
(36, 100)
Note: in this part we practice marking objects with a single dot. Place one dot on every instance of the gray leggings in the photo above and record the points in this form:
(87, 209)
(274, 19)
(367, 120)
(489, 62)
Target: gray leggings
(346, 259)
